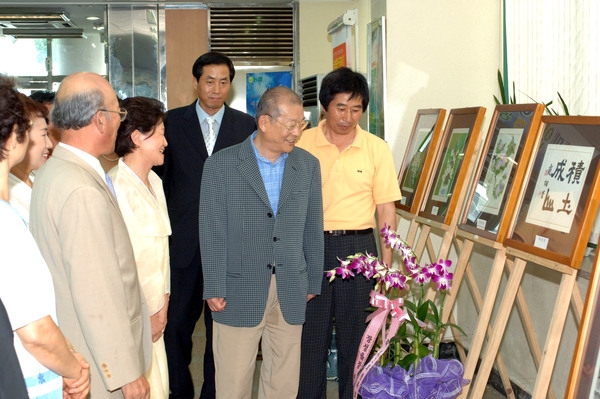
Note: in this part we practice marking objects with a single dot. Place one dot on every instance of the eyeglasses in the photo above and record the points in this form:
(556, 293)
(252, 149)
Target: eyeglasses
(291, 127)
(122, 112)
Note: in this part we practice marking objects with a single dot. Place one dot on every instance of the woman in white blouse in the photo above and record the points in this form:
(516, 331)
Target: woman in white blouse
(140, 144)
(26, 285)
(20, 180)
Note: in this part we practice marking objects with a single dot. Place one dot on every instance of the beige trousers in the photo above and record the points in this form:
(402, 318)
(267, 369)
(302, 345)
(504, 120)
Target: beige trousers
(235, 350)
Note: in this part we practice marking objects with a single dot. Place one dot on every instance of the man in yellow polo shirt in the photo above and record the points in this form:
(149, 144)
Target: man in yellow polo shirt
(359, 182)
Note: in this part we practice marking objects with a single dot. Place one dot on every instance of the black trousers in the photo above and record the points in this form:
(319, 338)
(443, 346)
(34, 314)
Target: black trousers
(346, 302)
(12, 382)
(185, 308)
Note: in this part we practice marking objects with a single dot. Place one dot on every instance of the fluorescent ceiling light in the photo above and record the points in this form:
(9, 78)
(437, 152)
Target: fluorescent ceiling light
(26, 17)
(21, 33)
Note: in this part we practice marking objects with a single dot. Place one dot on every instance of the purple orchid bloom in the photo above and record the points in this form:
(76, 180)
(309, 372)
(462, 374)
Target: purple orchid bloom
(421, 276)
(443, 281)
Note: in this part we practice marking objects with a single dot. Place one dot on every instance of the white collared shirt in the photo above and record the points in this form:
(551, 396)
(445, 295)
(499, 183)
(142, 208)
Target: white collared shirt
(87, 158)
(202, 115)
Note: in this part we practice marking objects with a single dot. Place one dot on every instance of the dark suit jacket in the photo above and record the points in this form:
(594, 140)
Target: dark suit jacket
(182, 172)
(240, 237)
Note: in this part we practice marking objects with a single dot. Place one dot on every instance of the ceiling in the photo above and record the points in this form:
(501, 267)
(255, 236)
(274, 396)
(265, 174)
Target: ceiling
(166, 2)
(79, 11)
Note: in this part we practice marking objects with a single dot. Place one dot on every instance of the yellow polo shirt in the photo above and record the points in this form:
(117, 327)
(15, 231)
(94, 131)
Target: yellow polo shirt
(355, 180)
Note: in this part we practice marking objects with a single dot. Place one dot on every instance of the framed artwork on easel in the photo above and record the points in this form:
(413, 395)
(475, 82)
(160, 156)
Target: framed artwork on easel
(560, 196)
(454, 163)
(584, 378)
(502, 166)
(424, 142)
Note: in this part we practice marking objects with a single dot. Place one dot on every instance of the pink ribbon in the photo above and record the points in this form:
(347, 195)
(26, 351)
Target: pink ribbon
(377, 322)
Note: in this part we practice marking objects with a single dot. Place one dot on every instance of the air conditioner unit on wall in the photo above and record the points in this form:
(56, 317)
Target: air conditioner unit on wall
(41, 23)
(309, 92)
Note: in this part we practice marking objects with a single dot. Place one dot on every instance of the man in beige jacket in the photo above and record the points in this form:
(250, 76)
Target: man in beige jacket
(77, 224)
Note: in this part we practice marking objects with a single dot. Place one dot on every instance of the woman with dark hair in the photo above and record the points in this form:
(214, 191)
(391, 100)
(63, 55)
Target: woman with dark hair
(21, 178)
(140, 145)
(26, 285)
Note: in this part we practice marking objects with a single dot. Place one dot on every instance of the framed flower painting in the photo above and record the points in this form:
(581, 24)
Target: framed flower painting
(454, 165)
(502, 165)
(423, 146)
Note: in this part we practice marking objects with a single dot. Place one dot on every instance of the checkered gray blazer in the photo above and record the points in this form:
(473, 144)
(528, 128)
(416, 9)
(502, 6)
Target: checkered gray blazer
(240, 237)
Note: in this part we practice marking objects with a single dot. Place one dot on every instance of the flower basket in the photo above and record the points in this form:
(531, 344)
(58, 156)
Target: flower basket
(432, 378)
(398, 353)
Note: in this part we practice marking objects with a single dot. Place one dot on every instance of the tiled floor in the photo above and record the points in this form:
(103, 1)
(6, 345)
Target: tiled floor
(196, 369)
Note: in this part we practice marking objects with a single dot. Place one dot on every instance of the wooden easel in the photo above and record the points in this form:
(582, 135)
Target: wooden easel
(483, 306)
(548, 356)
(425, 242)
(413, 227)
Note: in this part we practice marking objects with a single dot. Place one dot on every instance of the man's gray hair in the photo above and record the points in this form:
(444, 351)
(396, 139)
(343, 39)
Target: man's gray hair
(76, 111)
(270, 100)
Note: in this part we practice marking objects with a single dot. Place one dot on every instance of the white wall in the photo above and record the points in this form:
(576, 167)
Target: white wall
(441, 54)
(315, 44)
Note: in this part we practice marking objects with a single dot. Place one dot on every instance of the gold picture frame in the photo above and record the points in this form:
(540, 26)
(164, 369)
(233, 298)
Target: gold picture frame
(502, 165)
(420, 155)
(560, 196)
(454, 164)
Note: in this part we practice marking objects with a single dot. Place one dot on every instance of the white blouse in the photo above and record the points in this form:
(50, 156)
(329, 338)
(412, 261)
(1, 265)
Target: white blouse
(19, 196)
(149, 229)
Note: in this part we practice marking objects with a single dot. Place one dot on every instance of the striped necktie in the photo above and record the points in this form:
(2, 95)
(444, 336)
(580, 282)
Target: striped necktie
(211, 136)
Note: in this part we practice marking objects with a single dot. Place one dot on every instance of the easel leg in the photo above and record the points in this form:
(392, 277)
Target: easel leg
(557, 324)
(498, 331)
(532, 340)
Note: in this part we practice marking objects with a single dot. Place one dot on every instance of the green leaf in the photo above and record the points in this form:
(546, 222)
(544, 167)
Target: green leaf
(564, 105)
(402, 330)
(407, 361)
(421, 351)
(422, 311)
(455, 326)
(395, 339)
(503, 89)
(434, 309)
(410, 306)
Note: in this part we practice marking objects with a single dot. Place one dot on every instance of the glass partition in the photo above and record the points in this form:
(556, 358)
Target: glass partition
(124, 42)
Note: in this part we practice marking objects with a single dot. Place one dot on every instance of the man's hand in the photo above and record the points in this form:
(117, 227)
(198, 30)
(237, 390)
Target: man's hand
(216, 304)
(78, 389)
(138, 389)
(309, 297)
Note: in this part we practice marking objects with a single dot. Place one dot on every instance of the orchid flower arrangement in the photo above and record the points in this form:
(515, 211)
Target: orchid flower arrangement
(412, 326)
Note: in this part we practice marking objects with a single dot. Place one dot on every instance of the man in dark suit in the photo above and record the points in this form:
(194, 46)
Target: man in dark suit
(188, 131)
(261, 238)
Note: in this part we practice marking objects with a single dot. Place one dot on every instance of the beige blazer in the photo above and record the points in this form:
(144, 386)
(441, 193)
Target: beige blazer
(81, 234)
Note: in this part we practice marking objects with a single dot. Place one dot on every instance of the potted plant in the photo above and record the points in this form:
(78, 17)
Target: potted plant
(399, 352)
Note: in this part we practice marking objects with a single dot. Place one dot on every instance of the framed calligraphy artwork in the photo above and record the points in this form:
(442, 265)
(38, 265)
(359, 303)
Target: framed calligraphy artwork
(454, 164)
(560, 196)
(501, 169)
(424, 143)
